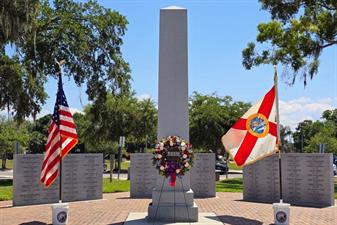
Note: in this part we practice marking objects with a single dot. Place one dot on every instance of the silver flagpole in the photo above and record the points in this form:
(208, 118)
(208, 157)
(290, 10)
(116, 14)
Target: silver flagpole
(60, 151)
(279, 144)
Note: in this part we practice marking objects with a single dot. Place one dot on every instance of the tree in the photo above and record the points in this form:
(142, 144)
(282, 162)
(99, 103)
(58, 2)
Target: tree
(86, 35)
(304, 132)
(309, 134)
(82, 123)
(330, 115)
(326, 136)
(210, 118)
(286, 135)
(145, 131)
(38, 134)
(10, 132)
(120, 116)
(16, 18)
(18, 92)
(297, 35)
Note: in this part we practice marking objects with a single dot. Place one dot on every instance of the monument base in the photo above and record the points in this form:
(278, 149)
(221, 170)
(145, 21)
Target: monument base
(173, 206)
(141, 218)
(173, 213)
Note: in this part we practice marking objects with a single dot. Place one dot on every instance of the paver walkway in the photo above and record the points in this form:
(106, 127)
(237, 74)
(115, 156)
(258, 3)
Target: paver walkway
(113, 209)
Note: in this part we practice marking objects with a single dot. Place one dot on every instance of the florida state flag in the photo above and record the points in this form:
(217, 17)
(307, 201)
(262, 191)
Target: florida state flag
(254, 135)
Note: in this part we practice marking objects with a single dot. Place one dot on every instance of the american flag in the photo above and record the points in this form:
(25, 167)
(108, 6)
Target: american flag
(62, 134)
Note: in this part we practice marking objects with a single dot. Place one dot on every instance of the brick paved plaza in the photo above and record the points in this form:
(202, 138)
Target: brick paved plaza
(113, 209)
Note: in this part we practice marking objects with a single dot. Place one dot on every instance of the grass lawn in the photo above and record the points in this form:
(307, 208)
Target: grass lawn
(335, 188)
(6, 192)
(233, 166)
(124, 165)
(229, 185)
(9, 164)
(115, 185)
(236, 185)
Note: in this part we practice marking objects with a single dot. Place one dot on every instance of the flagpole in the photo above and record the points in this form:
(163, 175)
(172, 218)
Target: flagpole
(279, 143)
(60, 191)
(59, 64)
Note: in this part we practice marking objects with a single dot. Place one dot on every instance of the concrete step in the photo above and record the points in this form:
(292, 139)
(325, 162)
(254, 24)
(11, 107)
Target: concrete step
(167, 213)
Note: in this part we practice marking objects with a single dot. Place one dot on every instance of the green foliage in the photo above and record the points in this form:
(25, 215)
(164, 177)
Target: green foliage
(211, 117)
(146, 122)
(38, 134)
(10, 132)
(18, 92)
(16, 18)
(285, 135)
(330, 115)
(86, 35)
(103, 123)
(312, 133)
(326, 136)
(297, 35)
(305, 130)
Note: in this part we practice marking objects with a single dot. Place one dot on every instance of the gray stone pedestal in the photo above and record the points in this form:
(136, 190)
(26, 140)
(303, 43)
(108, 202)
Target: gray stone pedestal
(173, 204)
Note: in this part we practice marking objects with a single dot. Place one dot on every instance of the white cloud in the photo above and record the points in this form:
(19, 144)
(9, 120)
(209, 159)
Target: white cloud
(294, 111)
(143, 96)
(43, 113)
(75, 110)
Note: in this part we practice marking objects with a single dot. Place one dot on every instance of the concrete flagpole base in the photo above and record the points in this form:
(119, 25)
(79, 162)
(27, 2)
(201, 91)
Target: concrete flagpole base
(60, 213)
(281, 213)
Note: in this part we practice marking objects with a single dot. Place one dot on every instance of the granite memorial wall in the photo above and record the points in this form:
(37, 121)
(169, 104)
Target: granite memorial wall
(81, 179)
(203, 175)
(307, 180)
(143, 175)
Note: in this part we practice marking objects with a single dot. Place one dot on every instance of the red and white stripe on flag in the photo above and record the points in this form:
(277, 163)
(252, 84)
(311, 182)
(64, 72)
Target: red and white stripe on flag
(62, 136)
(254, 135)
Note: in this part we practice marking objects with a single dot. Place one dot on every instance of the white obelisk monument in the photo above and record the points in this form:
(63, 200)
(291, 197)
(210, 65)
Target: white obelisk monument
(174, 204)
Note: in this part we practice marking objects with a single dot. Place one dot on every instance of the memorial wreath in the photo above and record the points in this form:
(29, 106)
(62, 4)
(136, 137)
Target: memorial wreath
(173, 157)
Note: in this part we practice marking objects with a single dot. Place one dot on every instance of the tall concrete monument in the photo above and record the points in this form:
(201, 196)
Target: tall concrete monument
(174, 204)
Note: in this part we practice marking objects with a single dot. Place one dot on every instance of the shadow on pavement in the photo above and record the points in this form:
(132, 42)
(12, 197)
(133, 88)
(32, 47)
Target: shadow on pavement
(237, 220)
(134, 198)
(34, 223)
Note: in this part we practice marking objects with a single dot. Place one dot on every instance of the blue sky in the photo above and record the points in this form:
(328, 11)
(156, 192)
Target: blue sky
(218, 31)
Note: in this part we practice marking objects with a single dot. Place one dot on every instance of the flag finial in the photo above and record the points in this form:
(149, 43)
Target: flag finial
(59, 64)
(275, 73)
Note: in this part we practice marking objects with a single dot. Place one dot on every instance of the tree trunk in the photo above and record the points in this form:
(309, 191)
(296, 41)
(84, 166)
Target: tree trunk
(2, 49)
(8, 111)
(3, 166)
